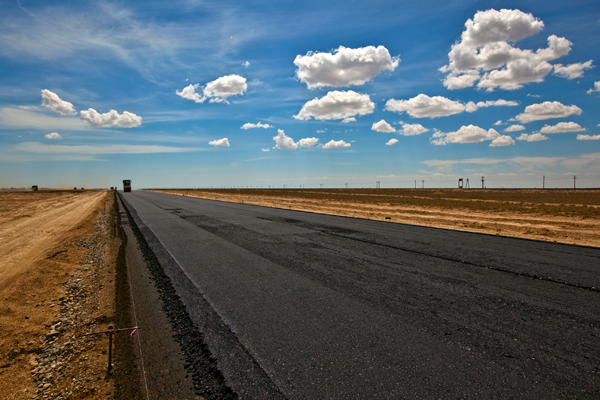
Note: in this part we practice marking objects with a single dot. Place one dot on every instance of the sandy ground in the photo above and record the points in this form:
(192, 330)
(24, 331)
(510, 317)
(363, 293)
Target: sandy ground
(45, 242)
(566, 216)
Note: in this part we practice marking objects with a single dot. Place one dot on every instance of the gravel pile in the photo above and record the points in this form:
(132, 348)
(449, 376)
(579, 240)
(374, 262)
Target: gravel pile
(69, 364)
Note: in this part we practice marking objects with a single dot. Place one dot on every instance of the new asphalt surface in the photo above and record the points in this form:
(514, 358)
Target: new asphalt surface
(308, 306)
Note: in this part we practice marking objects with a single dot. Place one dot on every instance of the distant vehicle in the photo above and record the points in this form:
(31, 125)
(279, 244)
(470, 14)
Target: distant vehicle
(127, 185)
(34, 188)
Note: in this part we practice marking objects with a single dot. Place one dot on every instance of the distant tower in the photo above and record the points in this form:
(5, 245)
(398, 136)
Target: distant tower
(460, 183)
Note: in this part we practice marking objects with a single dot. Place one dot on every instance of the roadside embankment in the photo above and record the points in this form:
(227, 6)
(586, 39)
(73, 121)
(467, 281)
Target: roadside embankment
(59, 258)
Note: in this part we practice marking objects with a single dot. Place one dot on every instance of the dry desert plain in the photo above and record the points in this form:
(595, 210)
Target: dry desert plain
(566, 216)
(58, 268)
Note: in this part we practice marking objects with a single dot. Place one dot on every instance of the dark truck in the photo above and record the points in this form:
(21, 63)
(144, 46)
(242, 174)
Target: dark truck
(127, 185)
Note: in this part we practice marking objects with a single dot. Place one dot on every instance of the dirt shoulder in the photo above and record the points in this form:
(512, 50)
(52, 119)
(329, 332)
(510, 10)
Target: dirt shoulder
(57, 273)
(566, 216)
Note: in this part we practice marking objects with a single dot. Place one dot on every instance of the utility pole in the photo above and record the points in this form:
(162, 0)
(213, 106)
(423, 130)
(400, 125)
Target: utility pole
(482, 183)
(574, 182)
(544, 182)
(423, 184)
(377, 185)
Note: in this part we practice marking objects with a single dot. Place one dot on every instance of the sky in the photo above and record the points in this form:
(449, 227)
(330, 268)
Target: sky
(191, 93)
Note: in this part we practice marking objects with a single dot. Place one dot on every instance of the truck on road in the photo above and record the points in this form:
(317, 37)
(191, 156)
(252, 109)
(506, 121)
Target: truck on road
(127, 185)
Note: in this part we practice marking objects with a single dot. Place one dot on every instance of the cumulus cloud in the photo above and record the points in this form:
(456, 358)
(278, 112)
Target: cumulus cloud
(423, 106)
(349, 119)
(572, 71)
(189, 92)
(466, 134)
(337, 105)
(535, 137)
(307, 143)
(472, 106)
(51, 101)
(411, 129)
(284, 142)
(499, 122)
(484, 54)
(514, 128)
(596, 88)
(382, 126)
(251, 126)
(216, 91)
(588, 137)
(547, 110)
(53, 135)
(220, 142)
(111, 118)
(344, 66)
(333, 144)
(391, 142)
(503, 140)
(562, 127)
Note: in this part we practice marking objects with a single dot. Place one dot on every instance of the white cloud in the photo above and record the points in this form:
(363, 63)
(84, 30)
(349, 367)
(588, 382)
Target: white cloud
(259, 125)
(382, 126)
(216, 91)
(535, 137)
(514, 128)
(220, 142)
(265, 150)
(503, 140)
(246, 64)
(349, 119)
(562, 127)
(572, 71)
(547, 110)
(485, 55)
(412, 129)
(499, 122)
(284, 142)
(333, 144)
(307, 143)
(472, 106)
(344, 66)
(53, 135)
(588, 137)
(596, 88)
(423, 106)
(391, 142)
(337, 105)
(111, 118)
(220, 89)
(189, 92)
(52, 102)
(466, 134)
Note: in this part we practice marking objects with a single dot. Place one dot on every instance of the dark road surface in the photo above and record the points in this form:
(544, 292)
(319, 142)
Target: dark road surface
(309, 306)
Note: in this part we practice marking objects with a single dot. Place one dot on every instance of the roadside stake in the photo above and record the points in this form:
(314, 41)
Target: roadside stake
(111, 331)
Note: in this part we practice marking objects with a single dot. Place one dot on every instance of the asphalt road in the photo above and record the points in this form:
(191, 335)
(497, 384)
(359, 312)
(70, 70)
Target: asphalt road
(326, 307)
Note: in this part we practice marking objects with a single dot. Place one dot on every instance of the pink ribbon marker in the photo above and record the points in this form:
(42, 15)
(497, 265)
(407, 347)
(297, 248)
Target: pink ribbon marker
(133, 331)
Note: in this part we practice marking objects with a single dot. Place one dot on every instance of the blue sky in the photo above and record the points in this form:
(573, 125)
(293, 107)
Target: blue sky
(272, 93)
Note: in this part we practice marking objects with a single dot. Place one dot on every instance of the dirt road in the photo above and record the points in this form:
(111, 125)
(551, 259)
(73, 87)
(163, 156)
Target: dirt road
(49, 243)
(566, 216)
